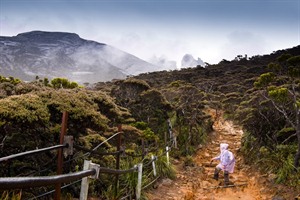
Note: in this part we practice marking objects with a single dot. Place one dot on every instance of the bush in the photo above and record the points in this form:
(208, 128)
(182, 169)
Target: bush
(287, 172)
(278, 161)
(164, 169)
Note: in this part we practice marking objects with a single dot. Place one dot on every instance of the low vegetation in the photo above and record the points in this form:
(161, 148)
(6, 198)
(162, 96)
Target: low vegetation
(259, 93)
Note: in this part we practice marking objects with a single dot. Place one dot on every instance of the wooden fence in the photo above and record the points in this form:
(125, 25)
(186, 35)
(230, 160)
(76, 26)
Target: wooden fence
(90, 170)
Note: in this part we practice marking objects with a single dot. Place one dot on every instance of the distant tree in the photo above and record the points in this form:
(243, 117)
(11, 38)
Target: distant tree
(58, 83)
(238, 57)
(284, 57)
(46, 81)
(64, 83)
(126, 92)
(224, 61)
(73, 85)
(10, 79)
(7, 89)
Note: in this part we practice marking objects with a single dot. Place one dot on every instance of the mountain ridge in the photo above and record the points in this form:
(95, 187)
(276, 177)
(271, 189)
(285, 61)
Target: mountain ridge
(62, 54)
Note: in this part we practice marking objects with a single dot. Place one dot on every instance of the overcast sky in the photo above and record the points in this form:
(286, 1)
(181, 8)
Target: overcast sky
(210, 29)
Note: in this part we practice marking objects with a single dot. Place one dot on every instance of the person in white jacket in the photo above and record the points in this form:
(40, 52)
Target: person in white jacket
(227, 163)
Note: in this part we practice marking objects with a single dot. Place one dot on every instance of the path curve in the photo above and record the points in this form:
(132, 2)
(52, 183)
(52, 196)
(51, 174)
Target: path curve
(195, 183)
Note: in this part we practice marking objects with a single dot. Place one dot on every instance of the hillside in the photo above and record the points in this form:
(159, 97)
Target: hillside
(154, 109)
(269, 141)
(228, 72)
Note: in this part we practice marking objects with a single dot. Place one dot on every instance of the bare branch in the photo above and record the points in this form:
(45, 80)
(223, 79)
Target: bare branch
(2, 143)
(282, 111)
(289, 138)
(263, 116)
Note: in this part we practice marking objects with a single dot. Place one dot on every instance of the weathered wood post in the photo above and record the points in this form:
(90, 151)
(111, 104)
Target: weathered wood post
(84, 190)
(60, 153)
(118, 158)
(153, 165)
(167, 154)
(139, 184)
(166, 138)
(85, 182)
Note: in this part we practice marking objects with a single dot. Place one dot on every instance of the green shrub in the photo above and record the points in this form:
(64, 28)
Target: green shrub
(286, 173)
(164, 169)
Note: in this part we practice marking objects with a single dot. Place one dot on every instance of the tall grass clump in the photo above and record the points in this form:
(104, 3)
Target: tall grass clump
(11, 195)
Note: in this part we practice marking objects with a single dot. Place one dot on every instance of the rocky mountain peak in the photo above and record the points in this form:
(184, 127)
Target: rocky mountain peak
(189, 61)
(60, 54)
(49, 37)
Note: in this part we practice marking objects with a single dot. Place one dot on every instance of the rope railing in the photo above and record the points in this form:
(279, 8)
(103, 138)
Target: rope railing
(94, 149)
(27, 153)
(39, 181)
(137, 168)
(151, 161)
(104, 170)
(146, 186)
(29, 182)
(9, 183)
(89, 169)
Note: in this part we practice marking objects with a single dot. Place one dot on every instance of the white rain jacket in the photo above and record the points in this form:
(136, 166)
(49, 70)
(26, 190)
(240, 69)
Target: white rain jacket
(227, 161)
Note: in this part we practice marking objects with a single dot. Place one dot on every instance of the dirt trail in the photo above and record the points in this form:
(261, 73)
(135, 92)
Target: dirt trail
(194, 183)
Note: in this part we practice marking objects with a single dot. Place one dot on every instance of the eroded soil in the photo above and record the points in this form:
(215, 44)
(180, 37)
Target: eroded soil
(195, 182)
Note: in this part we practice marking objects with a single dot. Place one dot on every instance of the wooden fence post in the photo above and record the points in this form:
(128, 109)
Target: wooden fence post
(167, 154)
(85, 182)
(175, 141)
(166, 138)
(118, 159)
(60, 153)
(139, 184)
(153, 165)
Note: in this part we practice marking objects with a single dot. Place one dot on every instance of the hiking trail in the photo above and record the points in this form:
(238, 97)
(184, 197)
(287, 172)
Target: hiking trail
(195, 182)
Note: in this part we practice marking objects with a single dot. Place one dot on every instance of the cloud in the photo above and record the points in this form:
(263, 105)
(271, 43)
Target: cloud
(243, 42)
(146, 43)
(163, 62)
(9, 26)
(202, 28)
(131, 41)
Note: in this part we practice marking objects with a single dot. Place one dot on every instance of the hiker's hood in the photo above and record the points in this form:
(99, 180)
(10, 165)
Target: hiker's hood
(223, 146)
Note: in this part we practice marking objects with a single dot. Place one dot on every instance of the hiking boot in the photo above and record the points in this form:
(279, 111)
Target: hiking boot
(216, 174)
(226, 178)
